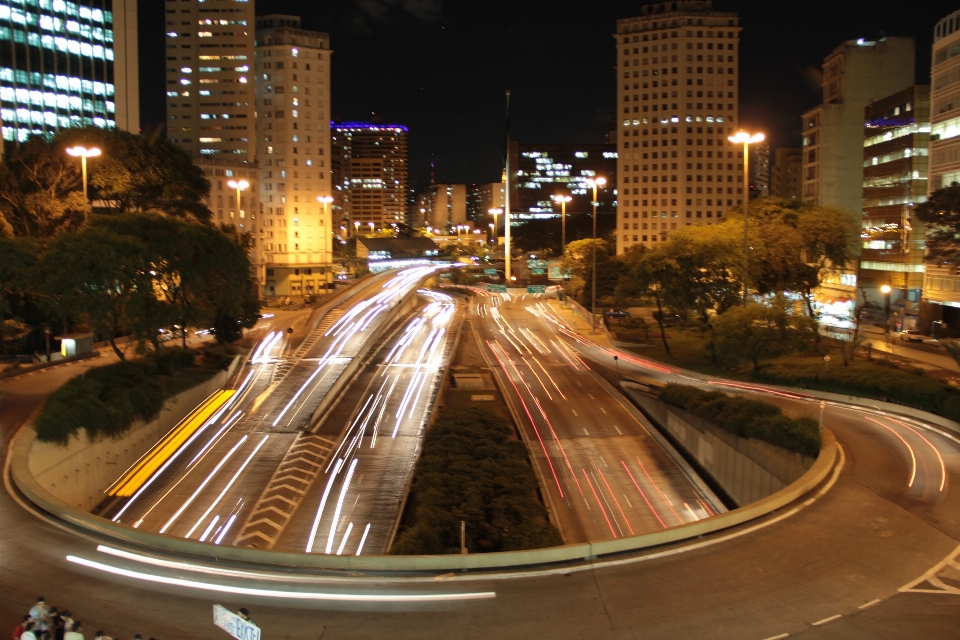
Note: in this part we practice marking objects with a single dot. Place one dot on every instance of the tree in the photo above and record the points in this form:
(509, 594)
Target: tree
(18, 275)
(659, 275)
(707, 261)
(759, 332)
(941, 214)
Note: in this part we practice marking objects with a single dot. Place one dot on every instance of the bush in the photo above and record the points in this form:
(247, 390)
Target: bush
(472, 469)
(747, 418)
(106, 401)
(872, 381)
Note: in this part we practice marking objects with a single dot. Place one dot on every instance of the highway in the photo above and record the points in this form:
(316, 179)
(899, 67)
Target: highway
(207, 488)
(605, 473)
(872, 554)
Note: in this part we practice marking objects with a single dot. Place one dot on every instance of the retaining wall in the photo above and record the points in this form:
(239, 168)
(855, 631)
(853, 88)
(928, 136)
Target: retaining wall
(80, 472)
(747, 469)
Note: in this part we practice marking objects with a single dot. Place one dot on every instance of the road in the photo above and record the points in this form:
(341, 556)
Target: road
(209, 487)
(858, 559)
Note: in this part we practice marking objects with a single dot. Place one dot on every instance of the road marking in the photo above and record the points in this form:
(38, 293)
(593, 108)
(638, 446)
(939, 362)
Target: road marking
(782, 635)
(826, 620)
(575, 413)
(591, 396)
(618, 429)
(604, 410)
(587, 503)
(585, 431)
(628, 500)
(869, 604)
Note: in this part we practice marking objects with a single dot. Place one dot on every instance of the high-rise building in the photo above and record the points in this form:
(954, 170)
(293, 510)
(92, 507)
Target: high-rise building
(854, 74)
(293, 147)
(481, 198)
(941, 288)
(369, 174)
(896, 136)
(442, 206)
(759, 170)
(67, 64)
(677, 99)
(542, 171)
(785, 173)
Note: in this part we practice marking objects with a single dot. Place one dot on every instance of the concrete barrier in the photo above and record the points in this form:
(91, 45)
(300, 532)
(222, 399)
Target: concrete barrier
(747, 469)
(79, 473)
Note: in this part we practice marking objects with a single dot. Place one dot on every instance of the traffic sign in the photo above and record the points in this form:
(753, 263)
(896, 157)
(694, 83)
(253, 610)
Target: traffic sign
(234, 624)
(536, 288)
(538, 272)
(497, 288)
(490, 272)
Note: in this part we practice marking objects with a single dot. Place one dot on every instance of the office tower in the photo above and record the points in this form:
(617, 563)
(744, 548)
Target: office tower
(785, 173)
(293, 148)
(369, 175)
(442, 206)
(543, 171)
(481, 198)
(677, 100)
(941, 288)
(854, 74)
(67, 64)
(759, 170)
(896, 136)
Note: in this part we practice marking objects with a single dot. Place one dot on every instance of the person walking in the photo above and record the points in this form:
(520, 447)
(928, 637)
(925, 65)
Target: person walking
(67, 621)
(20, 628)
(40, 613)
(28, 633)
(75, 633)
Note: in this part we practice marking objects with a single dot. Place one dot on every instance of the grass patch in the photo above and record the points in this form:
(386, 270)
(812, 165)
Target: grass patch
(873, 380)
(106, 401)
(473, 468)
(747, 418)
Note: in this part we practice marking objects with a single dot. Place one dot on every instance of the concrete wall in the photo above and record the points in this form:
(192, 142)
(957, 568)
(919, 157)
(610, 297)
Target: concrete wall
(747, 469)
(80, 472)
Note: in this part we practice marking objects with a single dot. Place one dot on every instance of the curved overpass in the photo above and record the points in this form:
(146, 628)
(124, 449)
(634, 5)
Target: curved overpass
(861, 557)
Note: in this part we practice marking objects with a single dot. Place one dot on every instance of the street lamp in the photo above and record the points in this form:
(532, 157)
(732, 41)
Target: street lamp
(493, 231)
(83, 153)
(371, 227)
(744, 138)
(239, 185)
(325, 200)
(594, 183)
(496, 211)
(886, 306)
(563, 200)
(356, 229)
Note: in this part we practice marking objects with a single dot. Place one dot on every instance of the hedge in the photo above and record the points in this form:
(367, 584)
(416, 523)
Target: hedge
(106, 401)
(474, 469)
(747, 418)
(871, 380)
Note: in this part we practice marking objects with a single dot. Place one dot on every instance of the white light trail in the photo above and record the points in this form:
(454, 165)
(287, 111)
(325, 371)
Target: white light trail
(336, 513)
(206, 532)
(363, 538)
(226, 528)
(323, 502)
(344, 541)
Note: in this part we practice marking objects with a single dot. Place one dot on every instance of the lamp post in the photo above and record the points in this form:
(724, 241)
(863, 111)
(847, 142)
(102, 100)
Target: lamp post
(356, 229)
(563, 200)
(492, 231)
(496, 228)
(83, 153)
(886, 306)
(594, 183)
(239, 185)
(325, 201)
(371, 227)
(744, 138)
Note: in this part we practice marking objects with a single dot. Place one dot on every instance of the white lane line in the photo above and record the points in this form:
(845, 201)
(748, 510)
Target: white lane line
(826, 620)
(627, 500)
(575, 413)
(779, 637)
(618, 429)
(603, 410)
(585, 431)
(867, 605)
(591, 396)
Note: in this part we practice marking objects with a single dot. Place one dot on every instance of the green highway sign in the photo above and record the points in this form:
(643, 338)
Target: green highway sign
(446, 276)
(497, 288)
(536, 288)
(490, 272)
(538, 272)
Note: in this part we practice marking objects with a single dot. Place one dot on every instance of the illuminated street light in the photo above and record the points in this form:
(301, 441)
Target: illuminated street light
(325, 200)
(239, 185)
(594, 183)
(496, 211)
(83, 153)
(744, 138)
(886, 289)
(563, 200)
(356, 226)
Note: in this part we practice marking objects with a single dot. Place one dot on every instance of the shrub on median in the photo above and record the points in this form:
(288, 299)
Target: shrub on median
(747, 418)
(473, 469)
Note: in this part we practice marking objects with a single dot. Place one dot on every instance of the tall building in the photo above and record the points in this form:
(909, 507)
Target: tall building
(856, 73)
(542, 171)
(759, 170)
(481, 198)
(896, 137)
(677, 97)
(442, 206)
(67, 64)
(785, 173)
(293, 147)
(941, 288)
(369, 175)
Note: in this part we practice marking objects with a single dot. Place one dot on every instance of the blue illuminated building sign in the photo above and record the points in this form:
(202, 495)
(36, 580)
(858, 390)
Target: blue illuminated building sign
(56, 66)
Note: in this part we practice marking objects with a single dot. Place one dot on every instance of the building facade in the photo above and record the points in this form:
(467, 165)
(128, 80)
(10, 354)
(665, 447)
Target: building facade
(294, 151)
(785, 173)
(759, 170)
(370, 175)
(896, 137)
(677, 99)
(67, 64)
(941, 288)
(542, 171)
(483, 197)
(442, 207)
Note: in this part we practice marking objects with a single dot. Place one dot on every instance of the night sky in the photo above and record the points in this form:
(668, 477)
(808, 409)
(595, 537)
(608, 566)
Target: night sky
(441, 66)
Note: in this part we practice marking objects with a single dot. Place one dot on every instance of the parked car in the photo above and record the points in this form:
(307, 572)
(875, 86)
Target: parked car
(616, 313)
(912, 335)
(670, 319)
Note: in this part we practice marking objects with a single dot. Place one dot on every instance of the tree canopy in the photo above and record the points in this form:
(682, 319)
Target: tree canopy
(941, 214)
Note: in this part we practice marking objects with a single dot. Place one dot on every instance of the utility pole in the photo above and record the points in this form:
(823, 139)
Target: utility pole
(463, 538)
(506, 201)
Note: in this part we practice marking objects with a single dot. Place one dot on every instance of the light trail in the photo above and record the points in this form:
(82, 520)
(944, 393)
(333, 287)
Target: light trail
(209, 528)
(343, 542)
(913, 457)
(600, 504)
(657, 487)
(363, 538)
(336, 513)
(644, 496)
(617, 502)
(226, 528)
(943, 468)
(323, 502)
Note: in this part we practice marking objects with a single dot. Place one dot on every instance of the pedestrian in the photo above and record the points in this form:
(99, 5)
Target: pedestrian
(28, 633)
(75, 632)
(40, 613)
(56, 624)
(101, 636)
(20, 628)
(243, 613)
(67, 620)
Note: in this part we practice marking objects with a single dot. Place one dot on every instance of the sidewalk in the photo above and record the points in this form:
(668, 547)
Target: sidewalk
(579, 324)
(922, 355)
